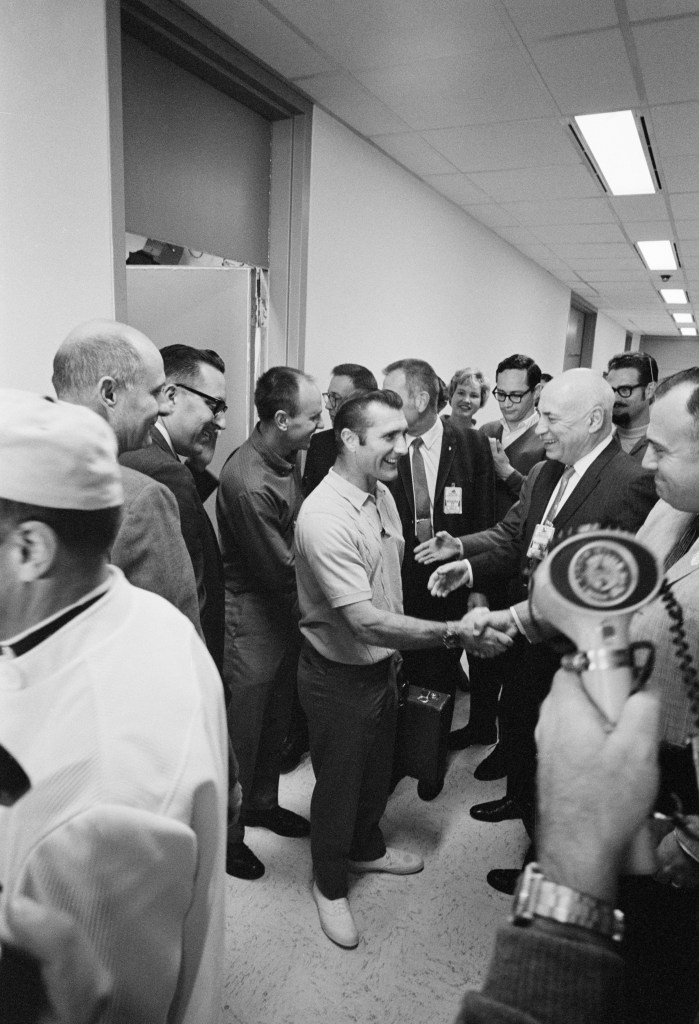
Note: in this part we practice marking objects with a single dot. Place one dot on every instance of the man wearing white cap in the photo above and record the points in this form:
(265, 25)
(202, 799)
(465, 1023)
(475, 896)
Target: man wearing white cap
(113, 707)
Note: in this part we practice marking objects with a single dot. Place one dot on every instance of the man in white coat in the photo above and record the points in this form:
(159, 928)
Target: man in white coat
(113, 708)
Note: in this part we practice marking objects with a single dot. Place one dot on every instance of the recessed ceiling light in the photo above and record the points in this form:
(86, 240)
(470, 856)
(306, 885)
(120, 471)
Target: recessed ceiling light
(689, 332)
(658, 255)
(615, 144)
(683, 318)
(674, 295)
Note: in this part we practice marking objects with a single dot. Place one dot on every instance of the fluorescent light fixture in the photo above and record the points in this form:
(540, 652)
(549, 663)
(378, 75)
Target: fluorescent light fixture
(658, 255)
(688, 332)
(615, 144)
(683, 318)
(674, 295)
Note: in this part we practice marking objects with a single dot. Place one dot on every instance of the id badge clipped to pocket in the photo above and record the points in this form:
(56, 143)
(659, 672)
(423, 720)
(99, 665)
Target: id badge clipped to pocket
(453, 504)
(541, 539)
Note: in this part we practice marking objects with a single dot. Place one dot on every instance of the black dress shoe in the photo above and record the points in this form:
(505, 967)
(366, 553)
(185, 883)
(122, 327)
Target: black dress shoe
(459, 739)
(279, 820)
(293, 753)
(491, 767)
(429, 790)
(496, 810)
(504, 879)
(241, 862)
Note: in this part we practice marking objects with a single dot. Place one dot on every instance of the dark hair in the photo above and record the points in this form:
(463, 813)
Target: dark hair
(85, 533)
(546, 377)
(642, 362)
(469, 374)
(362, 379)
(689, 376)
(419, 376)
(278, 388)
(183, 361)
(353, 413)
(78, 365)
(521, 362)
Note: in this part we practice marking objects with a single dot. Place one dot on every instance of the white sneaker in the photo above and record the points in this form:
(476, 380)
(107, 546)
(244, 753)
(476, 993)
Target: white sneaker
(336, 920)
(393, 862)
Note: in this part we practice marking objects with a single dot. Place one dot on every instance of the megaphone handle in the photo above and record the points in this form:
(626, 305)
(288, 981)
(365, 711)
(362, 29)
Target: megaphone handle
(609, 688)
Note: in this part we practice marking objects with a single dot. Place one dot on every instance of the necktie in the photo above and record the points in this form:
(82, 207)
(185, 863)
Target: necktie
(562, 484)
(683, 543)
(423, 522)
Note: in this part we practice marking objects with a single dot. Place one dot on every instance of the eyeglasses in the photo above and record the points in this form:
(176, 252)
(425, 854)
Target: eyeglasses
(626, 390)
(216, 405)
(514, 396)
(332, 398)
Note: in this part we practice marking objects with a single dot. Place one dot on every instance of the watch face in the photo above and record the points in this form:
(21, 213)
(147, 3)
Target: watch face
(602, 574)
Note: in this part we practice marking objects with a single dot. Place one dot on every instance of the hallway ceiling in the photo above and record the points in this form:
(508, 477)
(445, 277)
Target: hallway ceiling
(475, 98)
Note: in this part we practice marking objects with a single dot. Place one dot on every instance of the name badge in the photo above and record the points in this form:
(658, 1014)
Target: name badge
(541, 539)
(452, 501)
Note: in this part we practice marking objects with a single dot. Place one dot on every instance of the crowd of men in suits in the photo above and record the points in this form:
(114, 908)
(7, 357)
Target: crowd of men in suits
(323, 584)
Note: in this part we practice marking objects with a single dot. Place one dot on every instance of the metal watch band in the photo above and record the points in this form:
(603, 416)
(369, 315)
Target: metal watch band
(451, 639)
(536, 896)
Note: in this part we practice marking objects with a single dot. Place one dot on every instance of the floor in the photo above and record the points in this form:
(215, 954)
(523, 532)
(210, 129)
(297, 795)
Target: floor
(424, 938)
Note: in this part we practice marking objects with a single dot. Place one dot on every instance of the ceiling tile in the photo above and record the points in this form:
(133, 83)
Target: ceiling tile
(668, 53)
(537, 183)
(688, 229)
(630, 208)
(648, 231)
(413, 152)
(258, 29)
(490, 214)
(454, 92)
(456, 187)
(378, 33)
(641, 10)
(344, 97)
(680, 173)
(541, 19)
(587, 73)
(686, 206)
(614, 274)
(562, 211)
(517, 235)
(578, 233)
(489, 147)
(676, 128)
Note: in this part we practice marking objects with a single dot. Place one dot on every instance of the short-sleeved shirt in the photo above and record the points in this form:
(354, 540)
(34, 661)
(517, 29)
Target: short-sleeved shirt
(349, 548)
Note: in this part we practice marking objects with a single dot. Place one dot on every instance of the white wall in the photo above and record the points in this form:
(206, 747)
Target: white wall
(58, 212)
(609, 340)
(672, 354)
(395, 270)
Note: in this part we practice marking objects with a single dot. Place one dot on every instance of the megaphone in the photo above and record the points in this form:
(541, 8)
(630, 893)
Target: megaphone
(588, 588)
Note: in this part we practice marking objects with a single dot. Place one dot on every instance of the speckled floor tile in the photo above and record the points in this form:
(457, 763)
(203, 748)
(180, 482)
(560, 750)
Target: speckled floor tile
(424, 938)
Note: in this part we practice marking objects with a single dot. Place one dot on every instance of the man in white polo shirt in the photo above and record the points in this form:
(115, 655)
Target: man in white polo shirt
(349, 546)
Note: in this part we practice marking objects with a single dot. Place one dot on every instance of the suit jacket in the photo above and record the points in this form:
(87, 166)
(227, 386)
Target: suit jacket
(663, 527)
(159, 462)
(523, 453)
(321, 456)
(614, 491)
(466, 462)
(149, 548)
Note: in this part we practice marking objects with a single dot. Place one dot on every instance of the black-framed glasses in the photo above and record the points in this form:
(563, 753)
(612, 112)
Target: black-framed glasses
(332, 398)
(216, 405)
(626, 390)
(514, 396)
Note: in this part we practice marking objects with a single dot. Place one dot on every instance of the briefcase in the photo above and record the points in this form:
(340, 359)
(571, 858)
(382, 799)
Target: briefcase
(423, 732)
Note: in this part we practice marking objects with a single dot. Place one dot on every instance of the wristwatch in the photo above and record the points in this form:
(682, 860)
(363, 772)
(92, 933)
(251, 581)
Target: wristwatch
(536, 896)
(451, 638)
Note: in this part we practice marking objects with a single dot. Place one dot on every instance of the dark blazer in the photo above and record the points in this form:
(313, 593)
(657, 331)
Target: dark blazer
(465, 461)
(321, 456)
(615, 491)
(159, 462)
(524, 453)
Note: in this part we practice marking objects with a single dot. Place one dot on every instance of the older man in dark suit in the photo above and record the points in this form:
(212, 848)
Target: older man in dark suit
(445, 482)
(585, 479)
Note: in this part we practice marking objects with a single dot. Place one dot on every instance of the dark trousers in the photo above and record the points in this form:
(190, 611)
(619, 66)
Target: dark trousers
(260, 662)
(351, 711)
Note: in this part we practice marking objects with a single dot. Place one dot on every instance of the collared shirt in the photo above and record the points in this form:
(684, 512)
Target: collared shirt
(510, 434)
(349, 547)
(259, 497)
(159, 425)
(431, 452)
(580, 467)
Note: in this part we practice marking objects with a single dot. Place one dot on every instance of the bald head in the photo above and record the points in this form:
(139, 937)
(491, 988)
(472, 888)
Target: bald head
(116, 371)
(575, 414)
